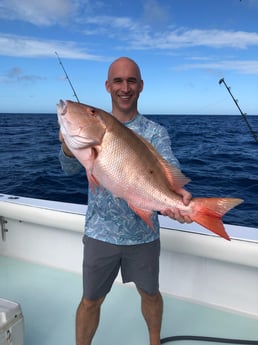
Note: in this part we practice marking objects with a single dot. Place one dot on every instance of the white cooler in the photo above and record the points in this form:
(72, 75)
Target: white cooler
(11, 323)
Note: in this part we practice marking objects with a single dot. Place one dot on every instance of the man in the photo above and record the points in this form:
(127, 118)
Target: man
(115, 237)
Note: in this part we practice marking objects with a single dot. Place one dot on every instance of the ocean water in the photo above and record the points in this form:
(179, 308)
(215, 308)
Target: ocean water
(217, 153)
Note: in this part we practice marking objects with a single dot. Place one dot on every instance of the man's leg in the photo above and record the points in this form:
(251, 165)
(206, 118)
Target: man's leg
(152, 309)
(101, 263)
(87, 320)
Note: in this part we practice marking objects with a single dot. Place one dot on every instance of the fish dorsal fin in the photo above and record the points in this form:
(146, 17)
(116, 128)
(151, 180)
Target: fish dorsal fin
(174, 175)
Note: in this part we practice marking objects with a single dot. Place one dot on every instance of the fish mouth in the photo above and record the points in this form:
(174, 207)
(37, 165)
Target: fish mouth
(62, 107)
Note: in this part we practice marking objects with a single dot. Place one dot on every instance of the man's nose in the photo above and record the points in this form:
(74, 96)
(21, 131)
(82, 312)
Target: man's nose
(125, 86)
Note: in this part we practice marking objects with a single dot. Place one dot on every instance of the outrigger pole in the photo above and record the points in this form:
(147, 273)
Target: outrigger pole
(243, 114)
(66, 75)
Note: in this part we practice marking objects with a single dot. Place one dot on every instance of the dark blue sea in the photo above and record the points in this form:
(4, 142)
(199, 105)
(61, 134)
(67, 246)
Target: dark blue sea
(218, 153)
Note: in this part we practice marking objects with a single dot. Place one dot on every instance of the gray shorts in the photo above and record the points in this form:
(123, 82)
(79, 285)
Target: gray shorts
(102, 261)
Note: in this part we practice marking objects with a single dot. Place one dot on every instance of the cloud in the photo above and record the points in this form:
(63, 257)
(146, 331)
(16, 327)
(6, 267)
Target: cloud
(109, 25)
(240, 66)
(122, 31)
(155, 14)
(139, 36)
(16, 74)
(40, 13)
(20, 46)
(183, 38)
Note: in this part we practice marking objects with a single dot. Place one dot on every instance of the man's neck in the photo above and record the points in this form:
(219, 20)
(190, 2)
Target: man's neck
(125, 116)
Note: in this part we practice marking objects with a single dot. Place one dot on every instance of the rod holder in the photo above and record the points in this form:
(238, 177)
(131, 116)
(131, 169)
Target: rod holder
(4, 230)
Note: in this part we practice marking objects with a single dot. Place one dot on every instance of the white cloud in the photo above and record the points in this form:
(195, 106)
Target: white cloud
(182, 38)
(139, 36)
(124, 31)
(46, 12)
(16, 74)
(107, 25)
(154, 13)
(221, 38)
(240, 66)
(18, 46)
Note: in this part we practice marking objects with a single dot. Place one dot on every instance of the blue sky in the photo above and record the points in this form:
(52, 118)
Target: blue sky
(183, 48)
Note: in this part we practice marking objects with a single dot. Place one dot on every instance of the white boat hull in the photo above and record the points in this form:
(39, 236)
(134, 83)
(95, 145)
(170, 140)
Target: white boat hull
(195, 264)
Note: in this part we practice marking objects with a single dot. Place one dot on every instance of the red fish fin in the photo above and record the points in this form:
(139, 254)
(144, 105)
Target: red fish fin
(144, 215)
(90, 156)
(209, 211)
(175, 176)
(93, 182)
(212, 223)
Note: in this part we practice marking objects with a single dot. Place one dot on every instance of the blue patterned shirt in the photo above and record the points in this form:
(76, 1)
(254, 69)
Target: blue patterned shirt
(109, 218)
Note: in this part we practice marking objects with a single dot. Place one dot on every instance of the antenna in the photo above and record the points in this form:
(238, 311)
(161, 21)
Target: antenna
(66, 75)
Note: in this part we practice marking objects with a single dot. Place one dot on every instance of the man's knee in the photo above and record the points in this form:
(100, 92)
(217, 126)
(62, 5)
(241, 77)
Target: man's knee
(91, 304)
(155, 298)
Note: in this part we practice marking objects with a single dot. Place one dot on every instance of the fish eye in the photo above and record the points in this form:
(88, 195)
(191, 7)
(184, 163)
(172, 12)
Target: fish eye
(92, 112)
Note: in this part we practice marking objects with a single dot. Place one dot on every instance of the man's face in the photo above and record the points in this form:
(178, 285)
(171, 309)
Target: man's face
(124, 84)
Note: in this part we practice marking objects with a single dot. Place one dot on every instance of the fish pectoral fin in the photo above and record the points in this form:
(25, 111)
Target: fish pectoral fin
(175, 176)
(93, 182)
(143, 214)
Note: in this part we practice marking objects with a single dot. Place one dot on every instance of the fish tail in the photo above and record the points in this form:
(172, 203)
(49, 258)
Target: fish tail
(209, 211)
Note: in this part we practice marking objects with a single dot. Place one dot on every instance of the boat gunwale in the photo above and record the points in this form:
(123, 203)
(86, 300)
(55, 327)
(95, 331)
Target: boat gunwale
(236, 232)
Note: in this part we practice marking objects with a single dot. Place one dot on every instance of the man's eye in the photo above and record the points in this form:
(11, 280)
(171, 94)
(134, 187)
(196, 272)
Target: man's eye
(131, 80)
(117, 81)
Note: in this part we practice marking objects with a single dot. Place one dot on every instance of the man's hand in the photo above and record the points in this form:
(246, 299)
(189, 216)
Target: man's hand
(65, 148)
(176, 214)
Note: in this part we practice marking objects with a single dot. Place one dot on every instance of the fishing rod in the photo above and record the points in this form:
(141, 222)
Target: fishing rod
(243, 114)
(66, 75)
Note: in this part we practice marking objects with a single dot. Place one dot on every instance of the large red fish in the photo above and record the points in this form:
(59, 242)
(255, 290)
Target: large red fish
(128, 166)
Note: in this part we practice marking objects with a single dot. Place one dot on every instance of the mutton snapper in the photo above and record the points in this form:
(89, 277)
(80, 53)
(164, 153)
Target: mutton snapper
(121, 161)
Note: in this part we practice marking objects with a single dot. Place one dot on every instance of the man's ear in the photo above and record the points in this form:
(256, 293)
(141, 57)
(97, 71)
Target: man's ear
(107, 86)
(142, 85)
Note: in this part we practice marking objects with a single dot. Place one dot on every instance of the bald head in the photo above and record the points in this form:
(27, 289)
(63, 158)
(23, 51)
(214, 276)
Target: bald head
(124, 62)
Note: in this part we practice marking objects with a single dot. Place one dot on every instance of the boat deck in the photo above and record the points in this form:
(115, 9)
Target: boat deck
(49, 298)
